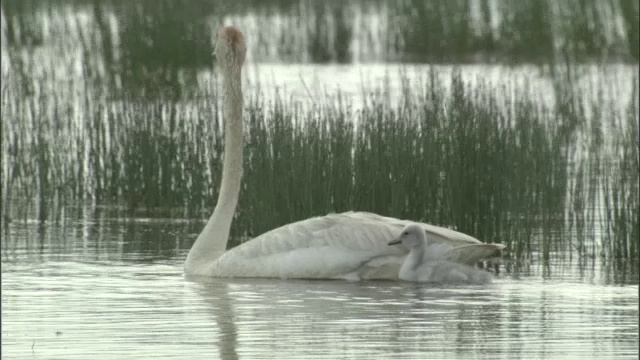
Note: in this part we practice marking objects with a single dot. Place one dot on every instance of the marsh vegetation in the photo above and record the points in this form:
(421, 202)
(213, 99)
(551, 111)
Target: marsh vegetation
(98, 107)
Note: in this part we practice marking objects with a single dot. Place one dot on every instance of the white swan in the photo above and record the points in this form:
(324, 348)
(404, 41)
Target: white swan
(350, 245)
(432, 264)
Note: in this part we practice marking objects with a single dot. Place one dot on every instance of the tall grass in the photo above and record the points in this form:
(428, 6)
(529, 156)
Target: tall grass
(90, 113)
(495, 162)
(446, 156)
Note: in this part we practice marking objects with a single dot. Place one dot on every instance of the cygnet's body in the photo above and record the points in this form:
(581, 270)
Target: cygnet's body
(421, 266)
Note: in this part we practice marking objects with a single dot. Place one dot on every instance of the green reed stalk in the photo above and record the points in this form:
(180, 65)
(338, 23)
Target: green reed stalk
(490, 161)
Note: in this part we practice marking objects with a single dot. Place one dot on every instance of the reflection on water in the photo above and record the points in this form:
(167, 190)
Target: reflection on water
(112, 293)
(111, 286)
(146, 34)
(75, 310)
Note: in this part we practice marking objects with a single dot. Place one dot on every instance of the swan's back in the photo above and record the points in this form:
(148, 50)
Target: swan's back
(347, 245)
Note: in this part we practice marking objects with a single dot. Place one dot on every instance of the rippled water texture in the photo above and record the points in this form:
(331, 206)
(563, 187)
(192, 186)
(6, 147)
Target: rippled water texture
(68, 294)
(529, 141)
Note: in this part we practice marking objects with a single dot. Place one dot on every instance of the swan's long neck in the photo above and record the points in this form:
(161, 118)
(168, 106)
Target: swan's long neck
(212, 241)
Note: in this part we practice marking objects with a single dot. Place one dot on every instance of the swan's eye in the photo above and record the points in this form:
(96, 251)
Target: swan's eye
(405, 233)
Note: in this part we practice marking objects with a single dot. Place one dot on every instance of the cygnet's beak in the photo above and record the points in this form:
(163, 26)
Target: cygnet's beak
(395, 242)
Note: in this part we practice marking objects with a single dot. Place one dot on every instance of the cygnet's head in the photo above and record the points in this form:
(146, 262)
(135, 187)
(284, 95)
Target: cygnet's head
(411, 236)
(230, 48)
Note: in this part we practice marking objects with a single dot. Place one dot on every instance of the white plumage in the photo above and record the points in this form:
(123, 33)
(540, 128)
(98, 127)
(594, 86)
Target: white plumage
(350, 245)
(423, 264)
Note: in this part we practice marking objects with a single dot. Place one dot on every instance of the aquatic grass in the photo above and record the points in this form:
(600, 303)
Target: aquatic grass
(465, 167)
(495, 162)
(134, 128)
(620, 187)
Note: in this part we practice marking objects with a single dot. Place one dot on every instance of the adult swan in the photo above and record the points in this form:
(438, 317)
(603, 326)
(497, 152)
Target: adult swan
(350, 245)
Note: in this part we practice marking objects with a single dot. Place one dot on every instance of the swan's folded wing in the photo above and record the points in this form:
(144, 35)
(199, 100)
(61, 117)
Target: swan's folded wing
(471, 254)
(441, 235)
(435, 233)
(350, 230)
(320, 247)
(329, 246)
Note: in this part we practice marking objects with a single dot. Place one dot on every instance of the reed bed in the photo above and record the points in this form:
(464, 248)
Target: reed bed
(98, 109)
(495, 162)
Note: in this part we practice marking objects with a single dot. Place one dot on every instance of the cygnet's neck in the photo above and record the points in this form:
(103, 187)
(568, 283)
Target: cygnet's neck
(414, 258)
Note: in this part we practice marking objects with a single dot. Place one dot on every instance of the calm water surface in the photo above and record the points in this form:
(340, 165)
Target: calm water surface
(114, 288)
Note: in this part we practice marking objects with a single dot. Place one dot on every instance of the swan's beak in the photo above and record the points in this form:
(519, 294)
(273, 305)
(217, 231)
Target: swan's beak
(395, 242)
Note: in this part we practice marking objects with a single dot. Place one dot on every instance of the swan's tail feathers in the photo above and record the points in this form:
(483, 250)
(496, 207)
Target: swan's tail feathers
(471, 254)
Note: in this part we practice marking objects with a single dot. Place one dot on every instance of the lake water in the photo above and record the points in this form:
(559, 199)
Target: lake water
(113, 287)
(98, 282)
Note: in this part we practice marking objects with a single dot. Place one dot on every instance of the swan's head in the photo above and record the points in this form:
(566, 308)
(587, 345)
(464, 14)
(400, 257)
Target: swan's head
(412, 235)
(230, 48)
